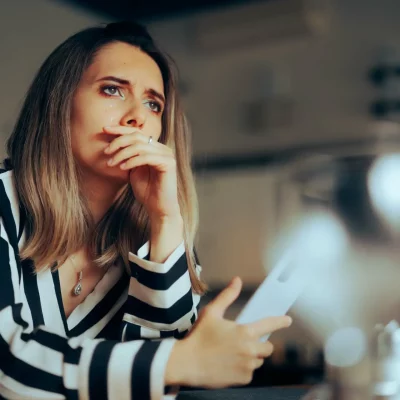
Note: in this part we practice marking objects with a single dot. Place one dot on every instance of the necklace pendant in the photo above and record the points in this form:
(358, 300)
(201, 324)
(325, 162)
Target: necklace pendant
(78, 287)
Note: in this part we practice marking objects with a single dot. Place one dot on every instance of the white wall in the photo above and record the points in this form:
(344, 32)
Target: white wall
(237, 224)
(327, 75)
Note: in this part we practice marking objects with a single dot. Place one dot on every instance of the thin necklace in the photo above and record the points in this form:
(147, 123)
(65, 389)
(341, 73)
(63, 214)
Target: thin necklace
(77, 290)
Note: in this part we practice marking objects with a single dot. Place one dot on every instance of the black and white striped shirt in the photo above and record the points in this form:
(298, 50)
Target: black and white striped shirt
(102, 350)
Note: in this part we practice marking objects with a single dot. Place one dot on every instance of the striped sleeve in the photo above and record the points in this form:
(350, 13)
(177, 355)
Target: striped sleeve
(39, 364)
(161, 302)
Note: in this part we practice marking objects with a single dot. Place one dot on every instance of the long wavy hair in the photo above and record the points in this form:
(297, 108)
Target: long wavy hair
(39, 151)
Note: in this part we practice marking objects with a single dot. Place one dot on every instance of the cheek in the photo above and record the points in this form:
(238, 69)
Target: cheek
(155, 127)
(88, 118)
(111, 114)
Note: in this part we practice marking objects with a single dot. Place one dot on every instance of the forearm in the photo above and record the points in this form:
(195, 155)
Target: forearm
(160, 295)
(166, 234)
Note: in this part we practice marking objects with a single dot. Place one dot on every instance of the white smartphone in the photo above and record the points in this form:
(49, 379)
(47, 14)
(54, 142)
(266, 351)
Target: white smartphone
(276, 294)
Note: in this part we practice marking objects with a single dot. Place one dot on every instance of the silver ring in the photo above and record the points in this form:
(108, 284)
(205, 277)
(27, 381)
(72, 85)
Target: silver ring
(150, 139)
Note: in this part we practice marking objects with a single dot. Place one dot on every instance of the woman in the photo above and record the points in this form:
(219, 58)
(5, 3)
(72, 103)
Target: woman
(98, 217)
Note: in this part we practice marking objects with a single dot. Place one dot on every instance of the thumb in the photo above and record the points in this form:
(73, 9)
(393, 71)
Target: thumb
(227, 296)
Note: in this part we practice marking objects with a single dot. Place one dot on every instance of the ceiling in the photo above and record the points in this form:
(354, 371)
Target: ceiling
(155, 9)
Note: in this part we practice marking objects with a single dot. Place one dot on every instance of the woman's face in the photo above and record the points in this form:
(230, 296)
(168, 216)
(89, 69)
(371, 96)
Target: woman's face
(122, 87)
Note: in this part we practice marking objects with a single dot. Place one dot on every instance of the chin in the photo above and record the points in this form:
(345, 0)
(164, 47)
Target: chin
(100, 169)
(104, 172)
(116, 173)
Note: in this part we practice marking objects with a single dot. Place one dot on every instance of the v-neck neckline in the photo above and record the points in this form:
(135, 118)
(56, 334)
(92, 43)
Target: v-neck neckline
(57, 286)
(105, 284)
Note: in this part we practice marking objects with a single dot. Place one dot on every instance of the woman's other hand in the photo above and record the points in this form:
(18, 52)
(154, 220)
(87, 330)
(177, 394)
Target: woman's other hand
(219, 353)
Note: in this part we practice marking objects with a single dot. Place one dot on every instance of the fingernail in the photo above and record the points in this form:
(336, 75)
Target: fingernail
(123, 165)
(290, 320)
(110, 161)
(107, 149)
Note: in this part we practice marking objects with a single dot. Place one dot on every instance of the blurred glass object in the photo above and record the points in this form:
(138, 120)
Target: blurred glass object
(340, 214)
(359, 371)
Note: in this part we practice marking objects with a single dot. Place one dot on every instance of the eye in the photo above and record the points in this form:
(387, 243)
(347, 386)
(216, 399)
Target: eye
(154, 106)
(112, 90)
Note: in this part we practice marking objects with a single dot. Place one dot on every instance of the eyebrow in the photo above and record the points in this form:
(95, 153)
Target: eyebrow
(121, 81)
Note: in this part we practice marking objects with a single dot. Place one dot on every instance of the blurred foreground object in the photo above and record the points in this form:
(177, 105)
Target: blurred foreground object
(373, 374)
(340, 214)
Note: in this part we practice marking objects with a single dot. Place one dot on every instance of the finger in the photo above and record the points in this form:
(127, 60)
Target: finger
(121, 130)
(132, 139)
(269, 325)
(264, 350)
(128, 131)
(134, 150)
(227, 296)
(258, 362)
(255, 363)
(159, 161)
(122, 141)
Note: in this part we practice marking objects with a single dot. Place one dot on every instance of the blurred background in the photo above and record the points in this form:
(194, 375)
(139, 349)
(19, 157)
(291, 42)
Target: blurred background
(291, 102)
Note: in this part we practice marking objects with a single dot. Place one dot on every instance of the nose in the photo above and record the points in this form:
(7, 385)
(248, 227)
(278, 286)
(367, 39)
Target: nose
(135, 117)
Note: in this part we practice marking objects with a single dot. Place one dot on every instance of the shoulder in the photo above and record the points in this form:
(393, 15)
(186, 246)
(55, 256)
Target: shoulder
(9, 203)
(6, 176)
(7, 187)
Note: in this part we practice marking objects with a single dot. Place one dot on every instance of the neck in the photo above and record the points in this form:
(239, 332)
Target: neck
(100, 193)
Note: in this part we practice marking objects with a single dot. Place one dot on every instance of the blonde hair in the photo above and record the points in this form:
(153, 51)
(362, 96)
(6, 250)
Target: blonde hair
(47, 178)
